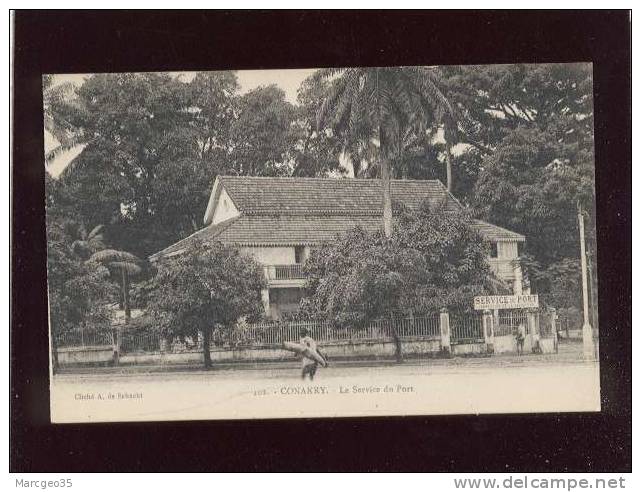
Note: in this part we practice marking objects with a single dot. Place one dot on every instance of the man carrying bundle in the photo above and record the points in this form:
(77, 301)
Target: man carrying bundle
(309, 351)
(309, 365)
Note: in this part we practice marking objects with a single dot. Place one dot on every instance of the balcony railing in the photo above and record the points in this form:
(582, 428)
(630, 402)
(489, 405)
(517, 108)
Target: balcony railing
(284, 272)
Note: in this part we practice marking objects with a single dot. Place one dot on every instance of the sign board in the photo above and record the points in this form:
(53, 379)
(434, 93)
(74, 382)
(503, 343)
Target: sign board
(506, 302)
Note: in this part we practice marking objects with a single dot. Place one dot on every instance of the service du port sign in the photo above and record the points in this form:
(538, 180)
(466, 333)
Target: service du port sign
(506, 302)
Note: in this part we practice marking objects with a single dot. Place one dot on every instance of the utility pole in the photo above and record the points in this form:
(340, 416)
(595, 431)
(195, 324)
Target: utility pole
(588, 342)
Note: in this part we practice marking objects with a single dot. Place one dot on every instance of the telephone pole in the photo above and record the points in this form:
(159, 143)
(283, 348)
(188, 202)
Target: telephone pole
(588, 342)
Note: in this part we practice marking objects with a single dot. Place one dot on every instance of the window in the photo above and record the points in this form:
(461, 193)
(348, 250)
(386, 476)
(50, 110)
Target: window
(494, 250)
(299, 252)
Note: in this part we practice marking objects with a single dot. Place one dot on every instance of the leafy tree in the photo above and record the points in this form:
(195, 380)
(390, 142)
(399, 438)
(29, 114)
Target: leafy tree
(262, 134)
(433, 260)
(154, 145)
(213, 285)
(133, 124)
(214, 105)
(381, 104)
(315, 152)
(530, 163)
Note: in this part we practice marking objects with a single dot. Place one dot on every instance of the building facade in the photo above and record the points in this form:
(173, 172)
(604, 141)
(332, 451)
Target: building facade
(279, 220)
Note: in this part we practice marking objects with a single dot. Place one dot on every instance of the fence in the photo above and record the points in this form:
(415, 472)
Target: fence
(567, 322)
(259, 334)
(509, 321)
(139, 341)
(273, 333)
(84, 338)
(466, 327)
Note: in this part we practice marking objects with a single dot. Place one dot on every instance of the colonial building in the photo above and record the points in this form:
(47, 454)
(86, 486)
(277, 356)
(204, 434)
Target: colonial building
(278, 221)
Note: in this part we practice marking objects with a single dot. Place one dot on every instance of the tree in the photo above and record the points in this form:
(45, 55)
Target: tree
(132, 125)
(433, 260)
(262, 134)
(214, 105)
(122, 267)
(154, 145)
(78, 294)
(315, 152)
(89, 242)
(498, 99)
(57, 106)
(529, 160)
(380, 104)
(211, 285)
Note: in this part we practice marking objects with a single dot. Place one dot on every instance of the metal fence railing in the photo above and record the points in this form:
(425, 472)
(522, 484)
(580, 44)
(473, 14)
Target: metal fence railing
(84, 338)
(271, 333)
(466, 327)
(258, 334)
(509, 321)
(566, 323)
(141, 341)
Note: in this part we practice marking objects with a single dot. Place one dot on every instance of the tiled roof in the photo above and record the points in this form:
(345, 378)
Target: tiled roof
(288, 230)
(205, 234)
(292, 230)
(308, 211)
(328, 196)
(492, 232)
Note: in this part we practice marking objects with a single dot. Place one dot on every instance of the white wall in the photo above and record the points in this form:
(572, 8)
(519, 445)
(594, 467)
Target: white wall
(507, 250)
(279, 255)
(503, 265)
(225, 208)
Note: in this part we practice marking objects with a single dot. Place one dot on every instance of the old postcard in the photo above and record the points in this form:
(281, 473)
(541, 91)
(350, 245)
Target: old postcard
(321, 242)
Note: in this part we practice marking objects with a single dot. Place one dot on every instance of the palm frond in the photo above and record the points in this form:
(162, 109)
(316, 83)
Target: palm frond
(112, 255)
(81, 249)
(95, 231)
(132, 269)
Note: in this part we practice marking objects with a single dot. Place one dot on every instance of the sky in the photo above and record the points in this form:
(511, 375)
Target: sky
(288, 80)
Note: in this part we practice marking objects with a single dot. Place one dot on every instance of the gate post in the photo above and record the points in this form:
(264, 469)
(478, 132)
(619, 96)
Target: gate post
(533, 323)
(444, 323)
(553, 329)
(488, 330)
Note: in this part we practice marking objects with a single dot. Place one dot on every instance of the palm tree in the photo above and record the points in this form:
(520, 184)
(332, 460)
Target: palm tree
(88, 243)
(56, 108)
(122, 266)
(380, 104)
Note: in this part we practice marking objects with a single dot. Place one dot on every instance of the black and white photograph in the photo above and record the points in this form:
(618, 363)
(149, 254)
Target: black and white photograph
(355, 241)
(320, 241)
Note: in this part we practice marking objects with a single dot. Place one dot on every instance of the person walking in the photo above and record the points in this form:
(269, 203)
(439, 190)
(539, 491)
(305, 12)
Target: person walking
(520, 338)
(309, 365)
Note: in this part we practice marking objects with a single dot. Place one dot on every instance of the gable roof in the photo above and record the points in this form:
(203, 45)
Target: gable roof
(311, 211)
(291, 230)
(324, 196)
(491, 232)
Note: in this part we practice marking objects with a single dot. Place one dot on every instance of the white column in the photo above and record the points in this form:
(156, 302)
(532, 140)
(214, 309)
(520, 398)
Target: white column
(532, 321)
(518, 279)
(264, 294)
(446, 347)
(555, 335)
(488, 330)
(588, 342)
